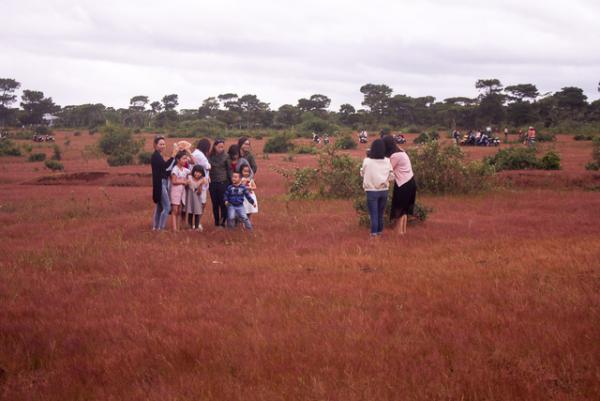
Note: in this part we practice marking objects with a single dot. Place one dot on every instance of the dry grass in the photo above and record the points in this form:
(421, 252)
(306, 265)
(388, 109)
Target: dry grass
(496, 297)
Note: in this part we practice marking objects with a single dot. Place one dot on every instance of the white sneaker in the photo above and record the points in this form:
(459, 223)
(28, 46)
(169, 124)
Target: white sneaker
(200, 228)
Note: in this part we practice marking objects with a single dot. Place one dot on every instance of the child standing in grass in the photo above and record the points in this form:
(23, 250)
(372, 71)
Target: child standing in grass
(250, 185)
(178, 183)
(193, 197)
(234, 200)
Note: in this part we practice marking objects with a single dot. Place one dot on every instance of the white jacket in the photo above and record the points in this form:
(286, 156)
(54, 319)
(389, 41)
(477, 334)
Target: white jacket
(377, 174)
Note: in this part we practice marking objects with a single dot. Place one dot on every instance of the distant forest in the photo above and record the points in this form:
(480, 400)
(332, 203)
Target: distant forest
(513, 106)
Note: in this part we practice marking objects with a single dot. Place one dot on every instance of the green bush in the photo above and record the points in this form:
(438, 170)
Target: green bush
(119, 159)
(57, 154)
(584, 137)
(77, 133)
(37, 157)
(441, 169)
(550, 161)
(9, 148)
(345, 142)
(595, 163)
(43, 130)
(545, 137)
(118, 144)
(422, 138)
(145, 157)
(337, 176)
(306, 150)
(312, 123)
(514, 158)
(54, 165)
(278, 144)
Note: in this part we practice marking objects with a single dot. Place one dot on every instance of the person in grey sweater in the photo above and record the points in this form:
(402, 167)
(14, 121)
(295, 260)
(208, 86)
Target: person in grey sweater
(245, 153)
(220, 178)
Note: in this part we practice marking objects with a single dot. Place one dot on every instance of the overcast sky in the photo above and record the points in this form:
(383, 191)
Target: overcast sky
(81, 51)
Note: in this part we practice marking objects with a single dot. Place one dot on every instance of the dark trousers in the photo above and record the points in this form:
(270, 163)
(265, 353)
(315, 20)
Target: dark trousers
(217, 197)
(376, 201)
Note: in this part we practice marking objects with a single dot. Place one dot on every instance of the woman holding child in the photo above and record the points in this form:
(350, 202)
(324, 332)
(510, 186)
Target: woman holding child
(160, 184)
(220, 177)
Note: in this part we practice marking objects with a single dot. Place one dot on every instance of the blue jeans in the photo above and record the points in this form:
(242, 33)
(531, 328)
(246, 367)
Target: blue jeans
(376, 201)
(240, 213)
(163, 207)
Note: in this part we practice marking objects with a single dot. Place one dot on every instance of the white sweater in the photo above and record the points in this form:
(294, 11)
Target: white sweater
(376, 174)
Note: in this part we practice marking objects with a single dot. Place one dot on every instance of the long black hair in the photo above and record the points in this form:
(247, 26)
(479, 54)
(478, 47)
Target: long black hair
(217, 141)
(241, 142)
(233, 151)
(377, 149)
(203, 146)
(390, 145)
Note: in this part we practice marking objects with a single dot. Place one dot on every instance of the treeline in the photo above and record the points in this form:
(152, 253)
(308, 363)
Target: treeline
(497, 105)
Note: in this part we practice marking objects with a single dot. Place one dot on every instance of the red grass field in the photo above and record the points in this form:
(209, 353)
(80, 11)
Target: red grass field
(495, 297)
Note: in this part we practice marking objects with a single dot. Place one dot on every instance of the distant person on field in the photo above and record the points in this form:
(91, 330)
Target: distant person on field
(531, 134)
(193, 197)
(179, 181)
(234, 200)
(376, 171)
(405, 187)
(220, 176)
(160, 184)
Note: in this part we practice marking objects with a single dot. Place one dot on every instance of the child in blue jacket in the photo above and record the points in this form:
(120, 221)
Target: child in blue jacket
(234, 200)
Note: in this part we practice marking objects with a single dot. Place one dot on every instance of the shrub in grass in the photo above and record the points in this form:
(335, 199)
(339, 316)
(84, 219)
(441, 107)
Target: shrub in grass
(514, 158)
(594, 165)
(306, 150)
(37, 157)
(422, 138)
(119, 159)
(54, 165)
(9, 148)
(584, 137)
(144, 157)
(57, 154)
(545, 137)
(550, 161)
(278, 144)
(346, 142)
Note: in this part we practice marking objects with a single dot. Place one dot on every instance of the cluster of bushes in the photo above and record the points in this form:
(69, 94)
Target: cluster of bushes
(9, 148)
(441, 170)
(545, 137)
(345, 142)
(425, 137)
(37, 157)
(119, 145)
(594, 165)
(584, 137)
(420, 211)
(519, 158)
(54, 165)
(281, 143)
(335, 177)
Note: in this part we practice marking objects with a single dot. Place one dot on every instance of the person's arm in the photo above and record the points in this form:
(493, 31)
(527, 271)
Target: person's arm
(226, 197)
(252, 185)
(228, 169)
(362, 168)
(248, 197)
(252, 162)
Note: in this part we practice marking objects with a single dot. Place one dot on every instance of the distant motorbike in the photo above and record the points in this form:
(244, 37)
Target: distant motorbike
(316, 138)
(326, 139)
(400, 139)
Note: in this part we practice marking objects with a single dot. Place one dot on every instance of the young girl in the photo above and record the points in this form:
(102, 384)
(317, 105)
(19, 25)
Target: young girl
(178, 182)
(193, 197)
(248, 181)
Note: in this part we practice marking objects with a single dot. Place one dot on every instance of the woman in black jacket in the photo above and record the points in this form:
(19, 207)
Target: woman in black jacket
(160, 184)
(220, 178)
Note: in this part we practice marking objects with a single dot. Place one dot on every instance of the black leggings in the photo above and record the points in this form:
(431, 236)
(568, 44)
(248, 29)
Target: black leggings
(196, 220)
(217, 197)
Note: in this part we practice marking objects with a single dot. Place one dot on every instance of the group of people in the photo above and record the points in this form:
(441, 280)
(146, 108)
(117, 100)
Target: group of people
(181, 184)
(386, 162)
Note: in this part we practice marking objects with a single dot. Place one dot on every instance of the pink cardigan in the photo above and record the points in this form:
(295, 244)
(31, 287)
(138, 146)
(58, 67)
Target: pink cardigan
(402, 168)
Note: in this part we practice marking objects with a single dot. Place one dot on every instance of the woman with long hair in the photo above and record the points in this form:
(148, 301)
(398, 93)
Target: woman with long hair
(246, 156)
(220, 177)
(160, 184)
(405, 187)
